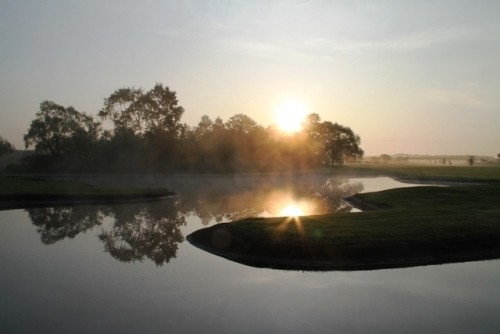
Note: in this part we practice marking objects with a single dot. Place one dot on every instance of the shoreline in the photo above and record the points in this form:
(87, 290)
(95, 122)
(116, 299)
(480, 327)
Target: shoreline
(42, 201)
(347, 258)
(18, 193)
(26, 203)
(362, 205)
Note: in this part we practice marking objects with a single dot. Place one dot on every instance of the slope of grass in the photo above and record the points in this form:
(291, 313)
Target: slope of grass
(420, 225)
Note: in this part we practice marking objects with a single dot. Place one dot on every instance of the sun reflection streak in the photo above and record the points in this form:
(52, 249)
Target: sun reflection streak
(284, 205)
(291, 214)
(291, 210)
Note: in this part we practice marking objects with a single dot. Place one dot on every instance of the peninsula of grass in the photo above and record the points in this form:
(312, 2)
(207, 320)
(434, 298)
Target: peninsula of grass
(21, 192)
(411, 226)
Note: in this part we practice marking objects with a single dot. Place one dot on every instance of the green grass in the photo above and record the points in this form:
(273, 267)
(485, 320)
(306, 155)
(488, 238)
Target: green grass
(414, 172)
(24, 190)
(419, 225)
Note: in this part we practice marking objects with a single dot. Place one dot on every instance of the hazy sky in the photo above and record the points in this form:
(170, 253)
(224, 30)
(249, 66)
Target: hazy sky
(407, 76)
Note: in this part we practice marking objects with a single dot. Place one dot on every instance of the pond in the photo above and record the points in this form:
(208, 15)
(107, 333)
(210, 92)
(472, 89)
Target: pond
(128, 269)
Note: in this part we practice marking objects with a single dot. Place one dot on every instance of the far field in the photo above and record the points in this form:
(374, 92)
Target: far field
(481, 173)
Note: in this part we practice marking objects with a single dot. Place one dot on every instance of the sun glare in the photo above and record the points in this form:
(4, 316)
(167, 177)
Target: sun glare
(289, 116)
(292, 210)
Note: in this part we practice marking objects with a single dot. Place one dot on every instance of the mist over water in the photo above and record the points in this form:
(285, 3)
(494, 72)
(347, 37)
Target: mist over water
(231, 197)
(154, 230)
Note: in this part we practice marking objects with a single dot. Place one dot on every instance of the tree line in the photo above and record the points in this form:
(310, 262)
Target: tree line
(141, 131)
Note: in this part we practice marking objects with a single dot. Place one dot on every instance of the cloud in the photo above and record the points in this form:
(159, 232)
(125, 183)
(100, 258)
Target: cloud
(468, 95)
(411, 41)
(334, 47)
(275, 51)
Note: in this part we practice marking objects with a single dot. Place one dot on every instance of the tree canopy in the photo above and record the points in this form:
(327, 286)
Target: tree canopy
(5, 146)
(57, 129)
(154, 111)
(147, 135)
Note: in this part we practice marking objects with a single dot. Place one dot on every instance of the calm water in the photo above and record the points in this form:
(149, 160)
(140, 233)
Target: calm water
(128, 269)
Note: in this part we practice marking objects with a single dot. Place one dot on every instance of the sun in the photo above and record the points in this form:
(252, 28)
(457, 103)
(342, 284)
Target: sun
(289, 116)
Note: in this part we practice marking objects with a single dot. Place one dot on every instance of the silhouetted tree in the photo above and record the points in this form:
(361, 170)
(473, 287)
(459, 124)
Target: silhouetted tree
(161, 112)
(331, 143)
(57, 130)
(148, 136)
(242, 124)
(120, 107)
(154, 111)
(122, 152)
(5, 146)
(385, 157)
(204, 128)
(153, 118)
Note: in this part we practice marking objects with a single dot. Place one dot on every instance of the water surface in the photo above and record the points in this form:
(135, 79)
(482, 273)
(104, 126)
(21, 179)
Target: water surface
(127, 269)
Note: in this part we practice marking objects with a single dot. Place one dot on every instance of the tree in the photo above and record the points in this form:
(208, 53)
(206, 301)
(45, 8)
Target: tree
(119, 108)
(331, 143)
(160, 110)
(57, 129)
(245, 138)
(5, 146)
(204, 128)
(385, 157)
(152, 112)
(312, 128)
(340, 143)
(242, 124)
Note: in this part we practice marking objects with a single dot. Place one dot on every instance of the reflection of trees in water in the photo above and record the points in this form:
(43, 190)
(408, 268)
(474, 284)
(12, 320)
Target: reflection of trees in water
(331, 194)
(141, 230)
(222, 205)
(144, 231)
(226, 203)
(153, 230)
(55, 224)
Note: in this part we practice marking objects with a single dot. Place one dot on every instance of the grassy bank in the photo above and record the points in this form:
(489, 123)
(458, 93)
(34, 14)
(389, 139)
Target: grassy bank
(24, 191)
(488, 173)
(421, 225)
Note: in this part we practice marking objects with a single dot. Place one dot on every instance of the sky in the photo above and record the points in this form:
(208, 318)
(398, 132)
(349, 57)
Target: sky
(415, 77)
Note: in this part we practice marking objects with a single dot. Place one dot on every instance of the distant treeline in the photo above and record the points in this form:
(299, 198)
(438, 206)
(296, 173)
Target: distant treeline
(145, 134)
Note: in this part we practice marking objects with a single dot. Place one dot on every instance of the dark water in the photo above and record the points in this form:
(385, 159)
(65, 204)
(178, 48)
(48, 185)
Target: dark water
(128, 269)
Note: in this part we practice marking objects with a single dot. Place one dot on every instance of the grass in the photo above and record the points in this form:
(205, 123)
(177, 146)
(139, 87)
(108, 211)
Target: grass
(25, 191)
(420, 214)
(418, 225)
(482, 173)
